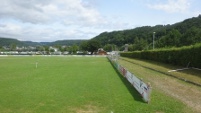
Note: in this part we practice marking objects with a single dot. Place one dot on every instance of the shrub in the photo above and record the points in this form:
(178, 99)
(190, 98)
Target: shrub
(176, 56)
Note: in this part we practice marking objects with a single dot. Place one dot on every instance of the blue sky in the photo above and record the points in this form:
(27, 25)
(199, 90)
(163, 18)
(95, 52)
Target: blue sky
(51, 20)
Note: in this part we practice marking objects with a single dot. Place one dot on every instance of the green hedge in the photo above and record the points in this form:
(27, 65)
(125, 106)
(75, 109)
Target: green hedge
(176, 56)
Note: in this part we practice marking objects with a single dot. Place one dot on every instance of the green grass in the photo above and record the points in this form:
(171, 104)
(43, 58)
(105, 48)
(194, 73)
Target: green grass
(189, 74)
(73, 85)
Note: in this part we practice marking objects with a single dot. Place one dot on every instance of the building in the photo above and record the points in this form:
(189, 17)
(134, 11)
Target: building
(101, 52)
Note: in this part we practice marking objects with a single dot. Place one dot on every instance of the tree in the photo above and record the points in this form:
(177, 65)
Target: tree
(139, 44)
(40, 48)
(1, 48)
(52, 50)
(13, 47)
(93, 46)
(108, 47)
(59, 48)
(171, 39)
(74, 49)
(130, 47)
(46, 49)
(191, 36)
(83, 46)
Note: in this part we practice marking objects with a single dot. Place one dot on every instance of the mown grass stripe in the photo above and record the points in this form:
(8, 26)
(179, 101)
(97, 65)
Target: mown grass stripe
(165, 73)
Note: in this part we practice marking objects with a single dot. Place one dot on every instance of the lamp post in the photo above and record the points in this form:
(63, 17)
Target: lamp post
(153, 39)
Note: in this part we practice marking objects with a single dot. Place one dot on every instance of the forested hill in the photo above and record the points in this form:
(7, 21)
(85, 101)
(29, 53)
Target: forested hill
(184, 33)
(66, 42)
(10, 41)
(15, 42)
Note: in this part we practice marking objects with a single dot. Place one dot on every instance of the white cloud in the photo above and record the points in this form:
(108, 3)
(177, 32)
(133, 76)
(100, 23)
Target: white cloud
(50, 20)
(40, 32)
(172, 6)
(35, 11)
(25, 11)
(10, 29)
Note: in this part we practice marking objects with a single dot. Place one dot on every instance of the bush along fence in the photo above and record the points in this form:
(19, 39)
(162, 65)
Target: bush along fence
(176, 56)
(143, 88)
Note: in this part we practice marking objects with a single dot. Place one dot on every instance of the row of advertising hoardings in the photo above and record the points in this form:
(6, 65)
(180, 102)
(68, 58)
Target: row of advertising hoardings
(143, 88)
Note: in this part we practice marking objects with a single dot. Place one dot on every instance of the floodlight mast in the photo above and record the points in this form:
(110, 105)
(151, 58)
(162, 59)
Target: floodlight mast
(153, 39)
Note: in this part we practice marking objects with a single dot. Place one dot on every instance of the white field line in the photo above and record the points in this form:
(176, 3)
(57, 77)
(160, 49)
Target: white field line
(196, 68)
(178, 69)
(184, 69)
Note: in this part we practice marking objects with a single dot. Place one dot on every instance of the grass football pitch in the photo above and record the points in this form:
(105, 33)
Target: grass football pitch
(39, 84)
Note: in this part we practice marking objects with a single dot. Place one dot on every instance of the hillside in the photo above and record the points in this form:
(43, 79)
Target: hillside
(30, 43)
(66, 42)
(9, 41)
(183, 33)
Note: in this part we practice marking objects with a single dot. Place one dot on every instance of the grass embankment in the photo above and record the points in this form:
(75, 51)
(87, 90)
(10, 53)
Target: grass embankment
(185, 92)
(189, 75)
(73, 85)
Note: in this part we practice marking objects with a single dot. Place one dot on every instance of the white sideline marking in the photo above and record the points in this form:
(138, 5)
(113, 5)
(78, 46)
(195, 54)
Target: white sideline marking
(178, 69)
(196, 68)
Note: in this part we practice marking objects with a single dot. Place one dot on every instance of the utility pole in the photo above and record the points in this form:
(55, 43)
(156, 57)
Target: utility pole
(153, 39)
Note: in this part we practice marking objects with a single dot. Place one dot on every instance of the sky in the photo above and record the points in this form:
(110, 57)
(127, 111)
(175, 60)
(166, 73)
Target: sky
(51, 20)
